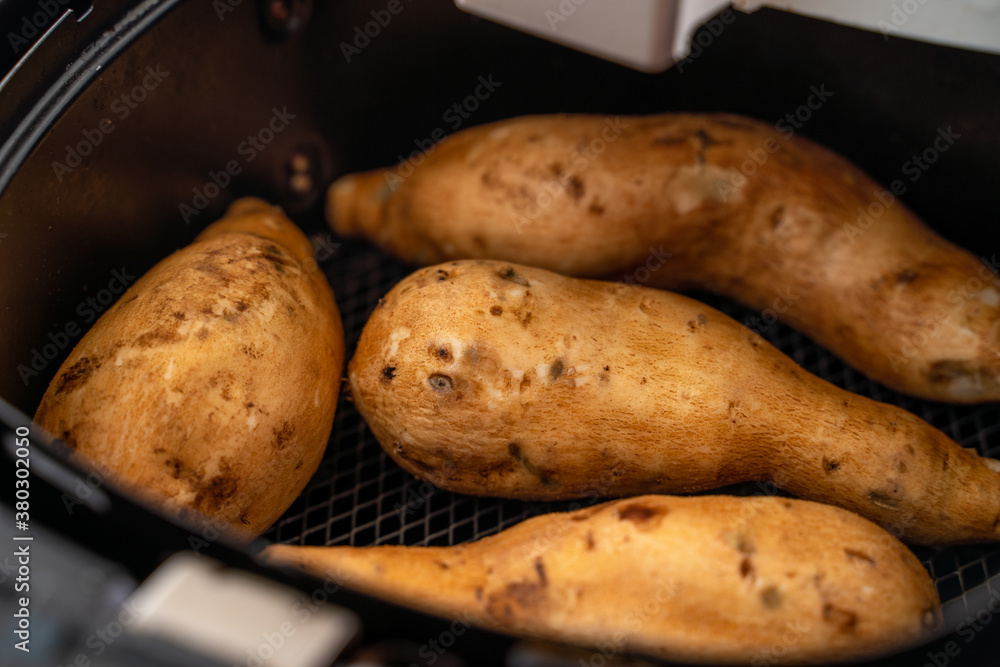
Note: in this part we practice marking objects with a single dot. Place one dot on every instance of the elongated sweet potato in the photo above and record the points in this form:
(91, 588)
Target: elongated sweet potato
(211, 385)
(779, 224)
(491, 378)
(705, 579)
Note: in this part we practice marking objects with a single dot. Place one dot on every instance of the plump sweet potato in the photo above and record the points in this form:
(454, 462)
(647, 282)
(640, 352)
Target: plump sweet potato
(717, 579)
(210, 386)
(491, 378)
(779, 224)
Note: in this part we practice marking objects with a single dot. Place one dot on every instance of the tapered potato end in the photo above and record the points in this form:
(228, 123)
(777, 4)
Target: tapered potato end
(355, 203)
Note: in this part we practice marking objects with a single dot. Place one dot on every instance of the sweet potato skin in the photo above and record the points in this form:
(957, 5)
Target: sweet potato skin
(711, 579)
(777, 223)
(491, 378)
(210, 386)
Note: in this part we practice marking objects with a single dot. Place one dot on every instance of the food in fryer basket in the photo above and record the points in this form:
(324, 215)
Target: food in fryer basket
(709, 579)
(496, 379)
(211, 384)
(715, 202)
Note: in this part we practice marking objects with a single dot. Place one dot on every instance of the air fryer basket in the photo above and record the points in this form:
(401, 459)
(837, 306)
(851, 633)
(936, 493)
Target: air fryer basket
(366, 109)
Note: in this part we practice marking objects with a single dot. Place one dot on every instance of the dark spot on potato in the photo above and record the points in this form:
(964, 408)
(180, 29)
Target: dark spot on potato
(901, 466)
(595, 208)
(909, 449)
(575, 187)
(157, 337)
(248, 405)
(523, 594)
(642, 381)
(533, 138)
(639, 513)
(830, 465)
(251, 351)
(496, 310)
(777, 216)
(388, 373)
(179, 315)
(739, 541)
(859, 555)
(509, 274)
(159, 450)
(948, 370)
(214, 494)
(298, 466)
(241, 306)
(590, 541)
(518, 455)
(443, 565)
(846, 621)
(540, 569)
(771, 597)
(277, 258)
(244, 520)
(442, 275)
(883, 500)
(76, 375)
(746, 568)
(444, 354)
(283, 436)
(556, 369)
(905, 277)
(607, 368)
(945, 460)
(526, 319)
(440, 383)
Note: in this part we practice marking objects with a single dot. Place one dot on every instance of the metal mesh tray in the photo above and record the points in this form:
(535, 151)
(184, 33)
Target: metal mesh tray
(360, 497)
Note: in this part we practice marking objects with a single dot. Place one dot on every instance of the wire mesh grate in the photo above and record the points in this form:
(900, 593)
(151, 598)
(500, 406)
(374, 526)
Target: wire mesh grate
(360, 497)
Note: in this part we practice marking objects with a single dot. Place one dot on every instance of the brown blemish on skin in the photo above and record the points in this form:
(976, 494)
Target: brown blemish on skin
(298, 466)
(590, 541)
(830, 465)
(777, 216)
(77, 375)
(179, 315)
(523, 594)
(746, 569)
(905, 277)
(948, 370)
(214, 494)
(640, 514)
(283, 436)
(859, 555)
(540, 569)
(444, 354)
(440, 383)
(513, 276)
(575, 187)
(595, 209)
(846, 621)
(771, 597)
(496, 310)
(556, 369)
(909, 448)
(699, 323)
(442, 275)
(739, 541)
(479, 592)
(388, 373)
(157, 337)
(518, 455)
(202, 333)
(882, 500)
(901, 466)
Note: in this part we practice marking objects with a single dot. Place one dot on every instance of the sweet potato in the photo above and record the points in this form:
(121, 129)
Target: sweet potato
(496, 379)
(211, 385)
(779, 224)
(717, 579)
